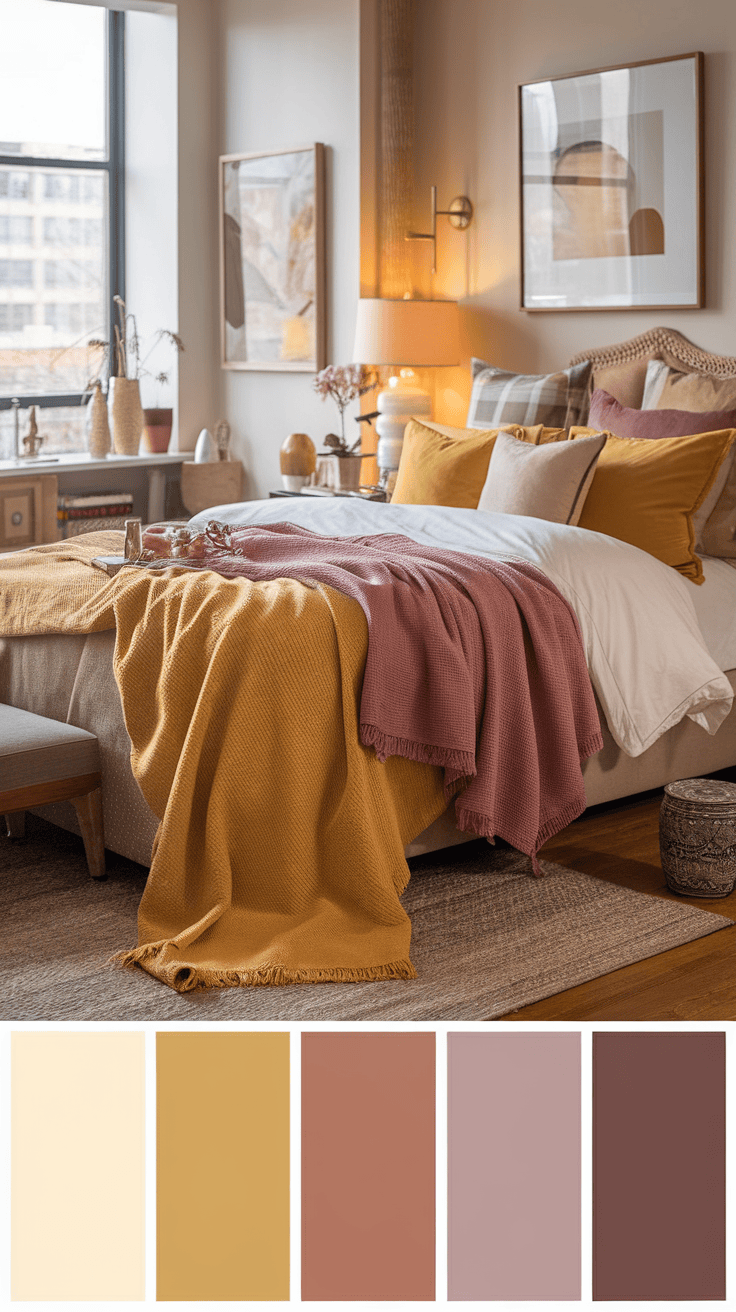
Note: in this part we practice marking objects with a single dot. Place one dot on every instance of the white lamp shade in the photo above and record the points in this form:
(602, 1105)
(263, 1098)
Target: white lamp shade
(418, 334)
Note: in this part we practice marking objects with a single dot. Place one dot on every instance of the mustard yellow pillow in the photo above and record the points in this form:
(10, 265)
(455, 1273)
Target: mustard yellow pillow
(646, 493)
(444, 466)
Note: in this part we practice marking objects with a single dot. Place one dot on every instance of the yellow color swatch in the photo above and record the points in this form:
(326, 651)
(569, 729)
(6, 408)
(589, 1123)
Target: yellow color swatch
(77, 1166)
(222, 1166)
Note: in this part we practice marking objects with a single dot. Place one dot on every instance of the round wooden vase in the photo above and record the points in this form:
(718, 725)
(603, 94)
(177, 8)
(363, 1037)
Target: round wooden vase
(97, 426)
(126, 415)
(157, 425)
(298, 460)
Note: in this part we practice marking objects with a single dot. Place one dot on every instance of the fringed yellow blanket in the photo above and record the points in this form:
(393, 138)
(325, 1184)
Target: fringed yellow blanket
(279, 858)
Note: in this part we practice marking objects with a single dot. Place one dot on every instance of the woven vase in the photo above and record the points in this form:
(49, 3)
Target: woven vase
(98, 429)
(126, 415)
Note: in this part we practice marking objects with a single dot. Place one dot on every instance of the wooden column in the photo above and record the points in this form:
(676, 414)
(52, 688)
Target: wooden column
(396, 164)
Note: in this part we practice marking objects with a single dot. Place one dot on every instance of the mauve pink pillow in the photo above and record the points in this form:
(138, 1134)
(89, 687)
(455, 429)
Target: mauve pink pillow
(607, 414)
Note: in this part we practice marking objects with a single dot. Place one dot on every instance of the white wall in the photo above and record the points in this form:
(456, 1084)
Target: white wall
(470, 57)
(151, 194)
(289, 76)
(200, 78)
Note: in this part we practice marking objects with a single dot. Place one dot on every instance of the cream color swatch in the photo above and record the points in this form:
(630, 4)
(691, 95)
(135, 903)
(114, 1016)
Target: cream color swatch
(77, 1166)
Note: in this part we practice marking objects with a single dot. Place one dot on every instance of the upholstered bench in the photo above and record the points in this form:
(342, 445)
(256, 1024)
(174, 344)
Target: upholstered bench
(46, 761)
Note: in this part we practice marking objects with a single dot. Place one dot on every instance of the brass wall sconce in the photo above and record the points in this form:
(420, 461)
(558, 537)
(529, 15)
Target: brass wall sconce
(460, 214)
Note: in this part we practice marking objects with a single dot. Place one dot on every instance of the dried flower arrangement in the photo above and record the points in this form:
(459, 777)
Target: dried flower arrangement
(127, 362)
(343, 383)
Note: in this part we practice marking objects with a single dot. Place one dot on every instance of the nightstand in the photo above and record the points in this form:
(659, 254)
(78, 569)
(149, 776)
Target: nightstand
(315, 493)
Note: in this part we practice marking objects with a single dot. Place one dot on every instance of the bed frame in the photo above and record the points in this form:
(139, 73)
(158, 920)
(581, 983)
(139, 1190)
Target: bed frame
(71, 679)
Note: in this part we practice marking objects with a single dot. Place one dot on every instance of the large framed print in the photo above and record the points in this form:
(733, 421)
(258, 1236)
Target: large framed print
(272, 260)
(612, 188)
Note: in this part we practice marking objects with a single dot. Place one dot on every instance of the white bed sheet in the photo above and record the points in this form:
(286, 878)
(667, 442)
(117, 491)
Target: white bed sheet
(646, 654)
(715, 607)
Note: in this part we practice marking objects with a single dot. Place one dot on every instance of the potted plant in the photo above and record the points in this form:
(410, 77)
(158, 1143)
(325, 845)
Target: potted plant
(344, 383)
(124, 397)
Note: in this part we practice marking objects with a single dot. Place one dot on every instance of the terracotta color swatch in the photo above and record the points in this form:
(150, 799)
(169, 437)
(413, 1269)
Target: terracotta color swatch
(77, 1165)
(514, 1166)
(223, 1166)
(368, 1166)
(659, 1166)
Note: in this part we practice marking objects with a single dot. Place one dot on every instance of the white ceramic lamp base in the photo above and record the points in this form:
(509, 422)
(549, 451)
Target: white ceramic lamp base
(401, 402)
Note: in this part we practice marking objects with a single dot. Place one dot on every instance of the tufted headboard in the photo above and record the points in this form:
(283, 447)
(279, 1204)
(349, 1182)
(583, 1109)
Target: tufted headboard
(621, 369)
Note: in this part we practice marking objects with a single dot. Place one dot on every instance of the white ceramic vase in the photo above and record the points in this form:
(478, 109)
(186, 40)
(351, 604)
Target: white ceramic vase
(97, 426)
(206, 449)
(126, 415)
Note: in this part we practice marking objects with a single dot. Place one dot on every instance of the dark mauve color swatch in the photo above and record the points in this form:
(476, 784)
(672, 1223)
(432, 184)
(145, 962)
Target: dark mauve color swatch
(659, 1166)
(368, 1166)
(514, 1166)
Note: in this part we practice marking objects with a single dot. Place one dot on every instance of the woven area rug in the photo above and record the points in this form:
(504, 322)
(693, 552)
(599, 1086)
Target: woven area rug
(487, 938)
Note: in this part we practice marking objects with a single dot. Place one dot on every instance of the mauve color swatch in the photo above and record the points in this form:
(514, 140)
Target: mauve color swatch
(368, 1166)
(659, 1166)
(514, 1166)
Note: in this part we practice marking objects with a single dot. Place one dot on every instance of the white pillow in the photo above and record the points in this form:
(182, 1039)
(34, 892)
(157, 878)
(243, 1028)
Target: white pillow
(548, 482)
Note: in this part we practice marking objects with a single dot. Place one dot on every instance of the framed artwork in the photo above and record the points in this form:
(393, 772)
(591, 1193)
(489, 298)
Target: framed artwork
(612, 188)
(272, 260)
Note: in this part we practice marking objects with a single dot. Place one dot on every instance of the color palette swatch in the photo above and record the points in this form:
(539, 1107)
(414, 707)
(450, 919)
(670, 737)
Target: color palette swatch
(225, 1104)
(659, 1182)
(222, 1198)
(77, 1166)
(514, 1166)
(368, 1166)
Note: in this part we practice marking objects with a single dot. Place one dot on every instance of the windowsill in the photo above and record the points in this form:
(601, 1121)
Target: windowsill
(71, 461)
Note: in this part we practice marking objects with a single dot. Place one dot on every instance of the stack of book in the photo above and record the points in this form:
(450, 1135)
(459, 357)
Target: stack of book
(91, 513)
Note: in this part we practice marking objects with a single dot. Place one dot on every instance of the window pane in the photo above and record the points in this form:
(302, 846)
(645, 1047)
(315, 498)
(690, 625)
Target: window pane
(53, 278)
(52, 89)
(62, 426)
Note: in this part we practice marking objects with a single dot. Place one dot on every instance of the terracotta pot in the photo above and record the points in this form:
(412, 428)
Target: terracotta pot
(157, 425)
(126, 415)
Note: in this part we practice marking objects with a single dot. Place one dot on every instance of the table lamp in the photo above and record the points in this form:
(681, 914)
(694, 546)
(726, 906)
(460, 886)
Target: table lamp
(422, 334)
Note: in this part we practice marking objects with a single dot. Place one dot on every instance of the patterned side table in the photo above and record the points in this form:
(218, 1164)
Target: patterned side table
(697, 837)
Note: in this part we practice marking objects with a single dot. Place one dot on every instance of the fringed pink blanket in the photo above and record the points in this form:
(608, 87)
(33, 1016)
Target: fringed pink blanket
(475, 665)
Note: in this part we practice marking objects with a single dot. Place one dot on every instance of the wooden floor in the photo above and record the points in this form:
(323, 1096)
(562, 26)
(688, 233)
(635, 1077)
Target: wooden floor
(697, 981)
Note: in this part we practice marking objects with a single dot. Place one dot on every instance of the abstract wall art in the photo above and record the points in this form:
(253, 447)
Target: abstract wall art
(612, 188)
(272, 267)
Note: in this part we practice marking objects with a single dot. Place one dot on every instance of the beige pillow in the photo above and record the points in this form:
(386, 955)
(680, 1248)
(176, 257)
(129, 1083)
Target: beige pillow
(548, 482)
(668, 389)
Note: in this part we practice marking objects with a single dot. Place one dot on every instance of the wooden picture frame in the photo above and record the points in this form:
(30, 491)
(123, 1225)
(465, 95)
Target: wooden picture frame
(612, 188)
(272, 260)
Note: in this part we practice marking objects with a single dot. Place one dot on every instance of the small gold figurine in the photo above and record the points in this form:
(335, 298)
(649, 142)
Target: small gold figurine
(32, 440)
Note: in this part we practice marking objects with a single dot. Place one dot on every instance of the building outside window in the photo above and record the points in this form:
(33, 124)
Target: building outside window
(61, 208)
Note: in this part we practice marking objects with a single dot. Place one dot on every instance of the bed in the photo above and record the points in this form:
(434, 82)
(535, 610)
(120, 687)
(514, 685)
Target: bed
(692, 732)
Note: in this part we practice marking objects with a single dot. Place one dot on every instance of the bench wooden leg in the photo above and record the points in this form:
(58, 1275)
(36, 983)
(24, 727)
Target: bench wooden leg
(16, 824)
(89, 814)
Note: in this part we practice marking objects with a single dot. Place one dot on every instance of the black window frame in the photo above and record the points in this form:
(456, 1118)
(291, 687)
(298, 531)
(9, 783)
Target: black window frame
(114, 166)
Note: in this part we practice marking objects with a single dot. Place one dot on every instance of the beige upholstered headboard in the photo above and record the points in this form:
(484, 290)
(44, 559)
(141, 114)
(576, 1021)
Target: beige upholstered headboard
(621, 369)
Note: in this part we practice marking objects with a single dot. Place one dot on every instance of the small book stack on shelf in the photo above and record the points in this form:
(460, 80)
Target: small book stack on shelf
(87, 514)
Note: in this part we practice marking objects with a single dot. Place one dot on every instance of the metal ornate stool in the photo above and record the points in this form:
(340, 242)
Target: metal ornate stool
(697, 837)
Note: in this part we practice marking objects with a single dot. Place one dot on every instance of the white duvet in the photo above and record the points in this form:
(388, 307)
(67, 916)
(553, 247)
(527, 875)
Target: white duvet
(646, 653)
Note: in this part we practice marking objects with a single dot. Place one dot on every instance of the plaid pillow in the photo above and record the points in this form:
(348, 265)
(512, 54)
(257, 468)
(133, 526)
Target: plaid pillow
(556, 400)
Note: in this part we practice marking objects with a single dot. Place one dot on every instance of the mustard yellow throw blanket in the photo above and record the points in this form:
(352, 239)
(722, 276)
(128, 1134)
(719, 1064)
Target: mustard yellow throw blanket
(279, 857)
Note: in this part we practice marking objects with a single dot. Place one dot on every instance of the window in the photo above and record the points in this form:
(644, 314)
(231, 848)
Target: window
(14, 186)
(16, 273)
(16, 229)
(14, 317)
(61, 194)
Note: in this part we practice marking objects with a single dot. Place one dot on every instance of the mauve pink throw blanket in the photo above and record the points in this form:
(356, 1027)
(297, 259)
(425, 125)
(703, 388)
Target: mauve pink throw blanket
(476, 665)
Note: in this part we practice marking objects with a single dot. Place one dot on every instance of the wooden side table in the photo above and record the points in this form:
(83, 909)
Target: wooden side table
(697, 837)
(211, 483)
